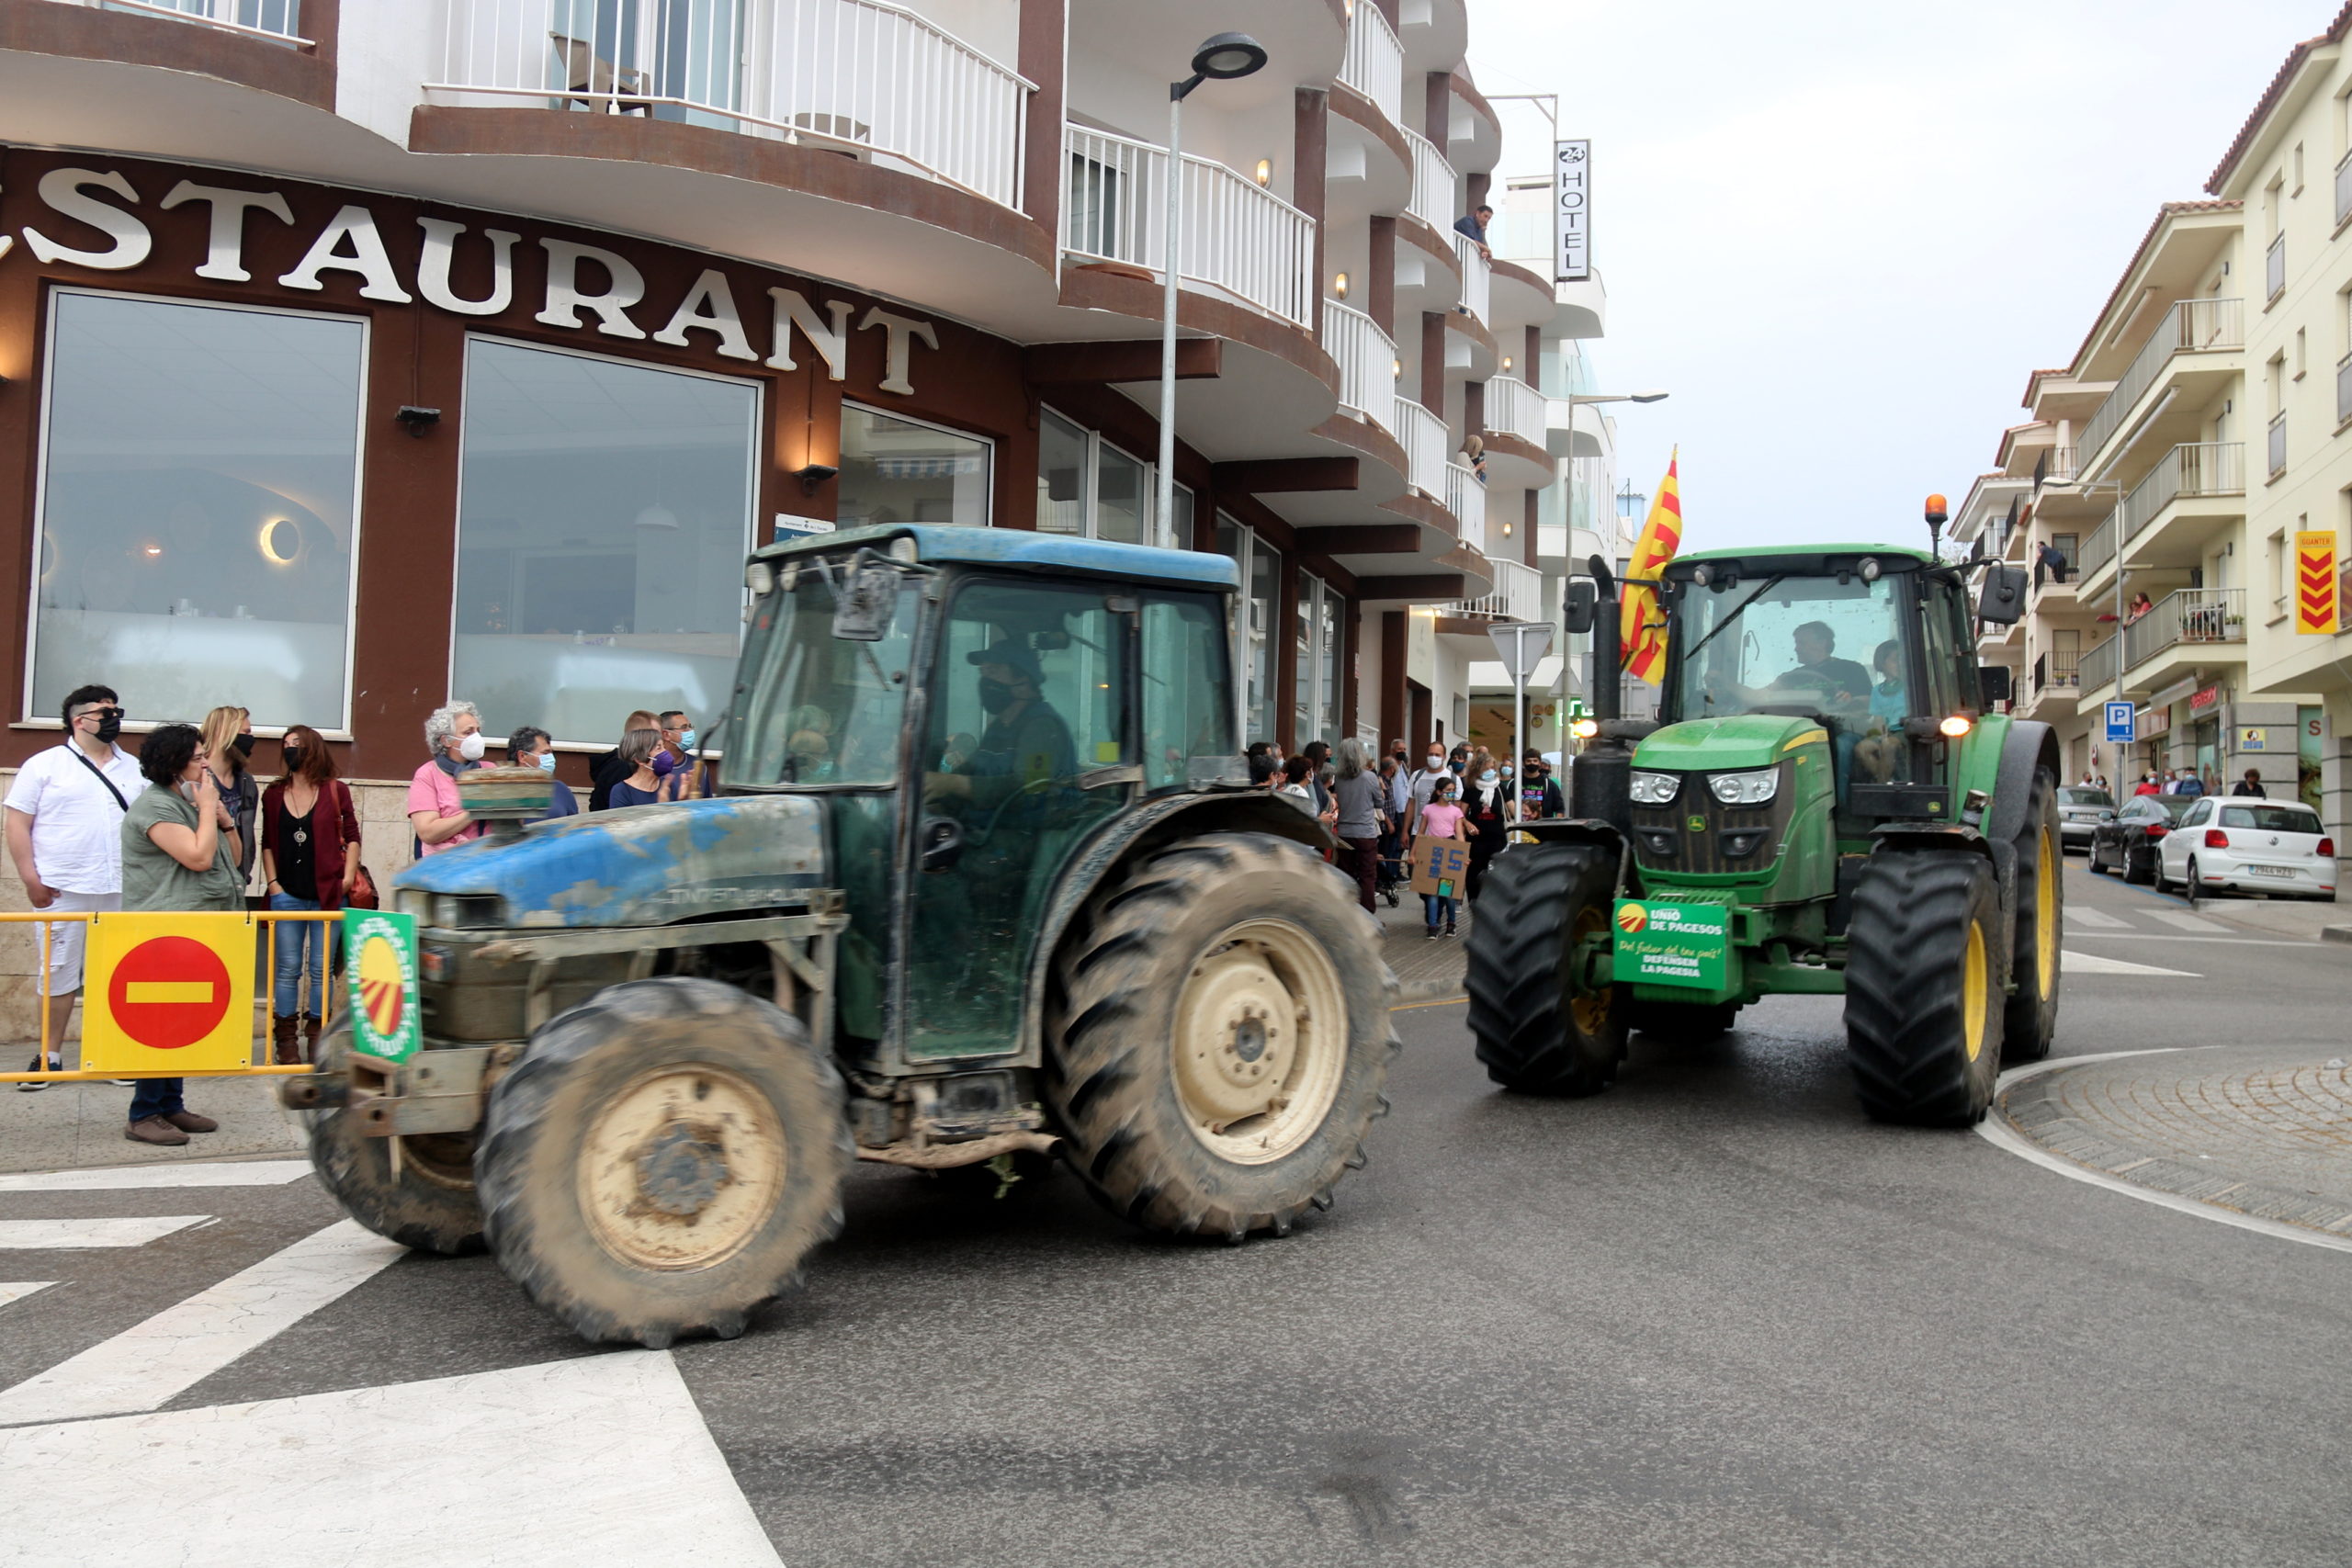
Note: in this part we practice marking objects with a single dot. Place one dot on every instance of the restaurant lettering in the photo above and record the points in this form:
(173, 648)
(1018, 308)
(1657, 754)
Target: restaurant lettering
(587, 287)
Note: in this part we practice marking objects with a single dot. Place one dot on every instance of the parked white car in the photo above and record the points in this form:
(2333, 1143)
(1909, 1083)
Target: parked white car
(2233, 844)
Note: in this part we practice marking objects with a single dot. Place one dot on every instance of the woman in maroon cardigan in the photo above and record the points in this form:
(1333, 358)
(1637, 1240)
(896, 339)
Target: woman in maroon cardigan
(310, 852)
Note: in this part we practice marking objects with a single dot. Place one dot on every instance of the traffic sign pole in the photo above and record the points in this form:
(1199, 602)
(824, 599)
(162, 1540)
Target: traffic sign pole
(1521, 645)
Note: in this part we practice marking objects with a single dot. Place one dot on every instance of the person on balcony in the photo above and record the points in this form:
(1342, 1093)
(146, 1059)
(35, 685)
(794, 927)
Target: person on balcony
(2140, 605)
(1474, 223)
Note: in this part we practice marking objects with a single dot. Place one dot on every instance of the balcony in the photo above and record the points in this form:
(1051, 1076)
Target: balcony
(1374, 65)
(1514, 408)
(279, 21)
(1366, 357)
(1466, 499)
(2096, 673)
(2201, 616)
(2278, 444)
(1237, 238)
(1433, 181)
(1518, 596)
(2195, 492)
(866, 79)
(1423, 435)
(1477, 279)
(2205, 468)
(2191, 326)
(2273, 270)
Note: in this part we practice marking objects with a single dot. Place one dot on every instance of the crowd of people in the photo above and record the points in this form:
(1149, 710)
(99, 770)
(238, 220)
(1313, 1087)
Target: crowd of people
(2188, 781)
(1382, 810)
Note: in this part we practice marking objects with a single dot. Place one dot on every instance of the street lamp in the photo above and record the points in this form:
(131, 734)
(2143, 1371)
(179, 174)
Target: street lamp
(1221, 58)
(1574, 400)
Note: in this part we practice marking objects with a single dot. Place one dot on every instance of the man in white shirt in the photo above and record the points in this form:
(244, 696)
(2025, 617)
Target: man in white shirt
(1424, 780)
(64, 815)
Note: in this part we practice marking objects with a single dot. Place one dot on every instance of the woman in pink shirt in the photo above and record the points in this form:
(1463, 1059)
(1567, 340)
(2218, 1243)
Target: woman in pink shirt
(453, 732)
(1440, 818)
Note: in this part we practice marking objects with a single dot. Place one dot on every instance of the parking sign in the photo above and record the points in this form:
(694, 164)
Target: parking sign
(2119, 723)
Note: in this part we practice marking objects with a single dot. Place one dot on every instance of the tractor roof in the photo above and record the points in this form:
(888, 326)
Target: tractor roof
(939, 543)
(1761, 553)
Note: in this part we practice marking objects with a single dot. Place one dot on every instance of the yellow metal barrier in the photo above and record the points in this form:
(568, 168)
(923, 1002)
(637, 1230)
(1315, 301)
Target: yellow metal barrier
(204, 931)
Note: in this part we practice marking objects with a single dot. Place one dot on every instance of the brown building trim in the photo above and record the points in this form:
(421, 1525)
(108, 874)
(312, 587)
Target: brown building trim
(1125, 360)
(1503, 442)
(1364, 539)
(1310, 143)
(1350, 654)
(1369, 440)
(1353, 106)
(1531, 362)
(1426, 512)
(306, 74)
(1409, 227)
(637, 139)
(1432, 587)
(1474, 409)
(1467, 91)
(1473, 191)
(1085, 289)
(1530, 515)
(1043, 52)
(1437, 108)
(1380, 301)
(1472, 328)
(1286, 476)
(1433, 363)
(1520, 275)
(1395, 654)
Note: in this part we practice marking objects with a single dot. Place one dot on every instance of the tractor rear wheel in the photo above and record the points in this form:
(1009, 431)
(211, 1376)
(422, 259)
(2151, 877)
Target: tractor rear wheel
(1219, 1036)
(1922, 983)
(429, 1205)
(2029, 1019)
(1539, 1024)
(1682, 1023)
(661, 1160)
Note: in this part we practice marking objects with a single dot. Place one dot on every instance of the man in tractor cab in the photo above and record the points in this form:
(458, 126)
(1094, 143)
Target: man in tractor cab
(1025, 742)
(1839, 686)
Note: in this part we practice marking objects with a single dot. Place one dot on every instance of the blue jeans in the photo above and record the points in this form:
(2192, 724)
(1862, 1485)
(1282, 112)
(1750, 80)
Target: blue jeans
(298, 941)
(156, 1097)
(1439, 911)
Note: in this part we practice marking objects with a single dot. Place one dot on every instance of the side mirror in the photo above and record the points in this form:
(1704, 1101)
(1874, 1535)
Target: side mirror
(2002, 601)
(1577, 606)
(1994, 684)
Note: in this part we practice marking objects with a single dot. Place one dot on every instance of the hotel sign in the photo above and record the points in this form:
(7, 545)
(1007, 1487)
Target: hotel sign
(1572, 211)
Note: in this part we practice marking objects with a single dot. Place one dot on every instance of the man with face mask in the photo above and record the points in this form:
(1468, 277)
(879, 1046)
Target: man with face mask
(453, 732)
(1025, 742)
(65, 810)
(1425, 778)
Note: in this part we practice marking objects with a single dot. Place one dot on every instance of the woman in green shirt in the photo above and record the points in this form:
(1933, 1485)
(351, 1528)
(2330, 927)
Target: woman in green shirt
(179, 852)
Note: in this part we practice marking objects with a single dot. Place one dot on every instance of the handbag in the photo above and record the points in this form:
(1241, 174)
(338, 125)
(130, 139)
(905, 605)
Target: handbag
(361, 894)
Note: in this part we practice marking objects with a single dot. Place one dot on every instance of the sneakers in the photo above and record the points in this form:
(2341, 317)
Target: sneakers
(56, 1063)
(1449, 928)
(189, 1122)
(155, 1130)
(1434, 933)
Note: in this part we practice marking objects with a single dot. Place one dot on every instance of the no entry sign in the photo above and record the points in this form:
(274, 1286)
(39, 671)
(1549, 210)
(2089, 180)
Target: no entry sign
(169, 994)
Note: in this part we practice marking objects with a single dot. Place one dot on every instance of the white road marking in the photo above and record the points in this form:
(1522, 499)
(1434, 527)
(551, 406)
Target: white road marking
(118, 1178)
(38, 1234)
(2184, 920)
(152, 1363)
(2081, 915)
(2230, 941)
(1995, 1130)
(2091, 964)
(18, 1290)
(599, 1459)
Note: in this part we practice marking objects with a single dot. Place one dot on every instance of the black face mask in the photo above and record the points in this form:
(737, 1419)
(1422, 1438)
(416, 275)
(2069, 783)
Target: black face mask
(109, 726)
(995, 695)
(244, 745)
(294, 755)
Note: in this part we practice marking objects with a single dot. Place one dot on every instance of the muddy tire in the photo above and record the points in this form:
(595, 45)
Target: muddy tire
(1923, 987)
(1537, 1027)
(1679, 1024)
(1219, 1036)
(663, 1160)
(431, 1206)
(2029, 1018)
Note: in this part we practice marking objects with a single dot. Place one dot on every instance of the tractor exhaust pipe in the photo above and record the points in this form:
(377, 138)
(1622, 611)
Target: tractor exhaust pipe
(1600, 785)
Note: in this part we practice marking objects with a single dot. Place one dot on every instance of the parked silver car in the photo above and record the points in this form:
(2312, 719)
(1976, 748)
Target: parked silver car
(2079, 810)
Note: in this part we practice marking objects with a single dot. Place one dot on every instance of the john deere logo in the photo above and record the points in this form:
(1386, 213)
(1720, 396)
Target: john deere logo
(1631, 917)
(1696, 824)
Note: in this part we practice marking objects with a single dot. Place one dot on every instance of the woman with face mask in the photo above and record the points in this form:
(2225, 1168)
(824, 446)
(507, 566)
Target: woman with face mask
(1487, 803)
(228, 743)
(453, 734)
(310, 854)
(643, 785)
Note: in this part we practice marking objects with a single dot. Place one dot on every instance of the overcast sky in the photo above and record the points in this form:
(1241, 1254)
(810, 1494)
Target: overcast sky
(1840, 232)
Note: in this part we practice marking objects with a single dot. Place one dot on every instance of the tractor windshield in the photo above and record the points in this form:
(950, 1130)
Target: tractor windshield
(1793, 645)
(823, 710)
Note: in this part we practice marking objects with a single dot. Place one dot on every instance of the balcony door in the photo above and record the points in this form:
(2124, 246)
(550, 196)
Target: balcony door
(675, 60)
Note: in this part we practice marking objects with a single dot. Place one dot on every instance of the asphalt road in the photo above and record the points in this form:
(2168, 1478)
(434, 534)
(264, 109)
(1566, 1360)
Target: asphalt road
(1710, 1317)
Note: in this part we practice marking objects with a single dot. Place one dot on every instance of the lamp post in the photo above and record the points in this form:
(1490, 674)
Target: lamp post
(1222, 58)
(1575, 401)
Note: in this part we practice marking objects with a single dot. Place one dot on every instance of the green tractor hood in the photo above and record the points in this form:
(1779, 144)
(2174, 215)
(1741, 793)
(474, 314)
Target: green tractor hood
(1727, 745)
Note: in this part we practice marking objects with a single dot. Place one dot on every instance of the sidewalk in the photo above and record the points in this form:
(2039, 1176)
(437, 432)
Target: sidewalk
(68, 1126)
(1426, 970)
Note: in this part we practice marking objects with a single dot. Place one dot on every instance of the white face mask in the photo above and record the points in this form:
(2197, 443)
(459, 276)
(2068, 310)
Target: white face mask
(473, 747)
(1435, 761)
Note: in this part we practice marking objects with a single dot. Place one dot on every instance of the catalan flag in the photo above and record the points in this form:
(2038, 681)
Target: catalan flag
(1642, 630)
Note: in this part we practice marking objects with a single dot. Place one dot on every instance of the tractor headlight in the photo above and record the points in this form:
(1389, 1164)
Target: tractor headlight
(468, 911)
(1746, 789)
(1655, 789)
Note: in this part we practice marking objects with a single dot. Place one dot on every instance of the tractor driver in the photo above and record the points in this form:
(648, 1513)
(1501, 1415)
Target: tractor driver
(1839, 686)
(1025, 742)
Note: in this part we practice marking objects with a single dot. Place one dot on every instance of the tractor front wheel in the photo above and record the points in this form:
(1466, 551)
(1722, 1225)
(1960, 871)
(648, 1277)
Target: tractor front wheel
(2029, 1020)
(1543, 1023)
(1922, 983)
(425, 1201)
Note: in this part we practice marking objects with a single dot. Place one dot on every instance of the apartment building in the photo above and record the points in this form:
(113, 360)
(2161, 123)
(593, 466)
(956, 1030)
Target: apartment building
(358, 353)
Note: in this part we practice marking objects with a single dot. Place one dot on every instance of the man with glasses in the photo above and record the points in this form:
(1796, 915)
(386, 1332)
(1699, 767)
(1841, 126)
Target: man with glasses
(64, 814)
(678, 739)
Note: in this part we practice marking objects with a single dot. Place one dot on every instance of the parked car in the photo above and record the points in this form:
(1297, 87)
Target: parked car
(2127, 840)
(2079, 808)
(2248, 846)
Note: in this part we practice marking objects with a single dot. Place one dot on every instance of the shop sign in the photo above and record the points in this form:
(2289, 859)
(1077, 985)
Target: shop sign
(2317, 605)
(2204, 701)
(2255, 737)
(1672, 944)
(2153, 723)
(582, 287)
(2173, 693)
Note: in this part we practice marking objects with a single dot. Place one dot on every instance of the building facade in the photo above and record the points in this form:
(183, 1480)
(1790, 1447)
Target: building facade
(356, 354)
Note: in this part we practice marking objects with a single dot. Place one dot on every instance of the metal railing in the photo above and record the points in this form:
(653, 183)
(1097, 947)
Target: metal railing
(1374, 65)
(2210, 468)
(1236, 237)
(2190, 326)
(1518, 408)
(1518, 595)
(2098, 548)
(2056, 465)
(1366, 357)
(2274, 269)
(2193, 614)
(1433, 197)
(1466, 499)
(1423, 435)
(2278, 452)
(279, 21)
(1477, 277)
(2097, 671)
(868, 78)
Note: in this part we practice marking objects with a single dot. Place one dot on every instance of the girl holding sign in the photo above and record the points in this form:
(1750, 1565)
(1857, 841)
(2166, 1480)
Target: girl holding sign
(1440, 818)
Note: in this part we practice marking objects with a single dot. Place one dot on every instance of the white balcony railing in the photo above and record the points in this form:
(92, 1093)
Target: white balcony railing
(279, 21)
(1518, 409)
(1237, 238)
(2211, 467)
(1518, 595)
(1433, 197)
(1423, 435)
(2190, 326)
(857, 75)
(2193, 614)
(1375, 62)
(1466, 499)
(1366, 357)
(1477, 277)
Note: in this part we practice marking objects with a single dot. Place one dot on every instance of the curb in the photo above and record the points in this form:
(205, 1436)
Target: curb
(2335, 933)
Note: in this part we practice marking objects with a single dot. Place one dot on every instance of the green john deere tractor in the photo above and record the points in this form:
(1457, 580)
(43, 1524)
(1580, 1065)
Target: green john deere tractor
(1826, 805)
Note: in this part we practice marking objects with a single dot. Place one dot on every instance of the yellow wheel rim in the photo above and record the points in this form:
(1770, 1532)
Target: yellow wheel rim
(2045, 916)
(1973, 988)
(1588, 1008)
(681, 1167)
(1260, 1042)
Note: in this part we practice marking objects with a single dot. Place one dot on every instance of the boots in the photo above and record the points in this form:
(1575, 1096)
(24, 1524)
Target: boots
(310, 1029)
(284, 1051)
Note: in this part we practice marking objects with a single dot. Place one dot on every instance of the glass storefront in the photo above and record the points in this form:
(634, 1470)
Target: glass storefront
(200, 478)
(2310, 728)
(1254, 644)
(894, 471)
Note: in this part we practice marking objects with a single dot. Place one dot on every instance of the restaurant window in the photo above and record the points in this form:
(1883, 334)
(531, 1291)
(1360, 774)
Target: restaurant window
(1088, 487)
(1317, 710)
(1255, 647)
(894, 470)
(604, 513)
(199, 498)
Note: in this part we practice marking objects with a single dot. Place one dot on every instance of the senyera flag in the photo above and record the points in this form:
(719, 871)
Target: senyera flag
(1641, 630)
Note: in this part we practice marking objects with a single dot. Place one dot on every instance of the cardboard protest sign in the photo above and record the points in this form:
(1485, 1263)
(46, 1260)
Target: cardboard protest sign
(1440, 865)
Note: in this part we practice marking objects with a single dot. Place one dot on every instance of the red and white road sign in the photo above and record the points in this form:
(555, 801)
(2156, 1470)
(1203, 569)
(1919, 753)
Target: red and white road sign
(171, 993)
